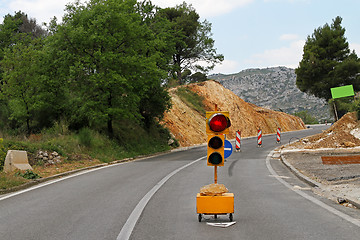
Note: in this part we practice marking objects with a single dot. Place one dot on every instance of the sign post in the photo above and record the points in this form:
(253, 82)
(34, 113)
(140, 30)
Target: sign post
(340, 92)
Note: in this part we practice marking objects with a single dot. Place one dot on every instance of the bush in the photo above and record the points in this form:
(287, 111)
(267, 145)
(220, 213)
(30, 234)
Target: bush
(28, 174)
(343, 105)
(85, 137)
(306, 117)
(355, 107)
(2, 154)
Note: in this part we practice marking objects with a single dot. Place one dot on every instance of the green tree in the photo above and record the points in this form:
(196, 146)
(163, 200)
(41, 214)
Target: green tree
(193, 41)
(21, 86)
(113, 60)
(327, 62)
(20, 41)
(306, 117)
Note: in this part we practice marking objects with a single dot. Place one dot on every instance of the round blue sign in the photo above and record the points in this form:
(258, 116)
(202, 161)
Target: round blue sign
(227, 149)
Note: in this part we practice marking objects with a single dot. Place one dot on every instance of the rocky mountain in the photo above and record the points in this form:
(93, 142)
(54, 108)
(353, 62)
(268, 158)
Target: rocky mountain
(273, 88)
(188, 125)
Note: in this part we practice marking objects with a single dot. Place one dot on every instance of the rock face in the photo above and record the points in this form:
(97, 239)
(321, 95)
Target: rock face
(188, 125)
(273, 88)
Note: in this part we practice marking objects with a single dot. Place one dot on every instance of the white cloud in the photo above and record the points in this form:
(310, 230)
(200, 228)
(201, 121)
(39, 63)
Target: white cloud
(226, 67)
(356, 47)
(45, 10)
(206, 8)
(289, 37)
(288, 56)
(42, 10)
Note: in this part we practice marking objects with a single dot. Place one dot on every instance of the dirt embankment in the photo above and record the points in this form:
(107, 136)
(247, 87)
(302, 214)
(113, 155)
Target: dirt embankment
(344, 133)
(188, 125)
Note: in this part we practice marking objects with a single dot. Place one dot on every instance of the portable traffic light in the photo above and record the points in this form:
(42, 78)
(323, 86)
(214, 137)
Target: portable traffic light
(215, 150)
(217, 122)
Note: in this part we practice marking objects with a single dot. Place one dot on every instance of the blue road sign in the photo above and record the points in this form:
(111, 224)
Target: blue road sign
(227, 149)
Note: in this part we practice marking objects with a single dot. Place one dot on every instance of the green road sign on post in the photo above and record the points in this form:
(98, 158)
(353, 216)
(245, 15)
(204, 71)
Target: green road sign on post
(345, 91)
(340, 92)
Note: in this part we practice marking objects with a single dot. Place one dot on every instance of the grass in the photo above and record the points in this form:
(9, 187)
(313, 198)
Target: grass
(9, 180)
(84, 148)
(191, 99)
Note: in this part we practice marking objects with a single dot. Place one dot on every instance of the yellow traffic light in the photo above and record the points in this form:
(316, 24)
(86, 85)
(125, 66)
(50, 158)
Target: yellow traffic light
(217, 122)
(215, 150)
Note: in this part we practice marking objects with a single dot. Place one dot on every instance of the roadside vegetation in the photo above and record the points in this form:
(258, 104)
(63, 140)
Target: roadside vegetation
(328, 62)
(80, 149)
(93, 87)
(306, 117)
(192, 99)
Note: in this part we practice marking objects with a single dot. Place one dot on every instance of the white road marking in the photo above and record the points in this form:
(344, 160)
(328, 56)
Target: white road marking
(54, 181)
(223, 225)
(310, 198)
(279, 176)
(128, 227)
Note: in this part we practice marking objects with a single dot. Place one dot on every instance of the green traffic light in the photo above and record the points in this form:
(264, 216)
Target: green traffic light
(215, 158)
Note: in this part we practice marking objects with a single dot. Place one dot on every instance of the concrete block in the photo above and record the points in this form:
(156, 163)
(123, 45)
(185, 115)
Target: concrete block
(16, 159)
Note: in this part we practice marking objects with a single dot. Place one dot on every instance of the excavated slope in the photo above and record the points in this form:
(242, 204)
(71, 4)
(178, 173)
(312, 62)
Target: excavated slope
(188, 125)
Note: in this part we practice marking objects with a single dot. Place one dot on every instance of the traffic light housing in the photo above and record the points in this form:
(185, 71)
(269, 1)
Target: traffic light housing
(217, 122)
(215, 150)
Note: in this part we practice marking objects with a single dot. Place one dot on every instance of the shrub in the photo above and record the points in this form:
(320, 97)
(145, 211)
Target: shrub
(28, 174)
(306, 117)
(85, 137)
(2, 154)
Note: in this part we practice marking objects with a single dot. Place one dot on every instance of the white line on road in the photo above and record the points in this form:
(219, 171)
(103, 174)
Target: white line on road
(54, 181)
(128, 227)
(310, 198)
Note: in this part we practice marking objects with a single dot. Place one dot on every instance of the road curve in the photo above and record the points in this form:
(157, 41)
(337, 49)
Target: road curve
(97, 204)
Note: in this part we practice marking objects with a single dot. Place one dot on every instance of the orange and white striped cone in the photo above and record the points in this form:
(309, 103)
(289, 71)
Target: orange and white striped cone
(278, 138)
(259, 138)
(238, 141)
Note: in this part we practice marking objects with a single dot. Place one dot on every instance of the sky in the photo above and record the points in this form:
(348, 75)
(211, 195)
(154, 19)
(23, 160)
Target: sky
(249, 33)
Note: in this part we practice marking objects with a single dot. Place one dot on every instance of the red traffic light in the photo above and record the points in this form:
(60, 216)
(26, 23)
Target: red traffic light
(219, 122)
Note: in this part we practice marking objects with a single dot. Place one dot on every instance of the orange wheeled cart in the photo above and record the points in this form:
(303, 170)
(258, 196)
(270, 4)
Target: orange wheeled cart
(215, 205)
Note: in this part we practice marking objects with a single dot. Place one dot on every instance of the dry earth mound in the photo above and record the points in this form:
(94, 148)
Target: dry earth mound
(344, 133)
(188, 125)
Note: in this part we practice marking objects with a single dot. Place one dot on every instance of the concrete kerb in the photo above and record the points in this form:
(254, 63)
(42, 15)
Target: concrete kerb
(137, 158)
(41, 180)
(308, 180)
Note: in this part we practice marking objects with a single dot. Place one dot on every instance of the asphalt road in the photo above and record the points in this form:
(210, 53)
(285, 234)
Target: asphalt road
(155, 198)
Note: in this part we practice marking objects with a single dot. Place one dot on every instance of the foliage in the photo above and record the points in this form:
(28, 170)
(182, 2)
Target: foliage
(85, 137)
(94, 83)
(2, 154)
(192, 99)
(112, 63)
(355, 107)
(306, 117)
(192, 39)
(28, 174)
(9, 180)
(343, 105)
(327, 62)
(22, 87)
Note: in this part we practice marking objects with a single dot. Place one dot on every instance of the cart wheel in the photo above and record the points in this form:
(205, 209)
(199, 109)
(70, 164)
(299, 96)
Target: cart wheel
(215, 216)
(200, 217)
(231, 217)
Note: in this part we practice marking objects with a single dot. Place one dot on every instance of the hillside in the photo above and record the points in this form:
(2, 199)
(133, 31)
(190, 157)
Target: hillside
(188, 125)
(273, 88)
